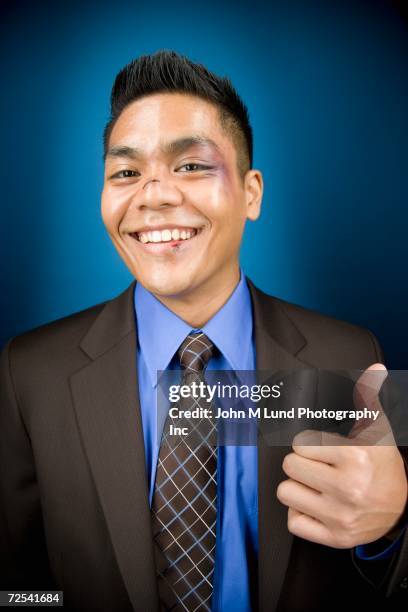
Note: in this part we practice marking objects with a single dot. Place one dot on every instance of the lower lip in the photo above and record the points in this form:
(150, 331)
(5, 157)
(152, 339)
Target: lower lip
(172, 246)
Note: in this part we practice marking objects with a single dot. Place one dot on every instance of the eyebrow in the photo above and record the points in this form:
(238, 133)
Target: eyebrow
(175, 147)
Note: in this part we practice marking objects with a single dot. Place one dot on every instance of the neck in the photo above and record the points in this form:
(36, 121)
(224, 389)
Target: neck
(199, 306)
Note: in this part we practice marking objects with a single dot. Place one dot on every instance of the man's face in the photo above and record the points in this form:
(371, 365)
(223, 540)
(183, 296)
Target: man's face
(173, 201)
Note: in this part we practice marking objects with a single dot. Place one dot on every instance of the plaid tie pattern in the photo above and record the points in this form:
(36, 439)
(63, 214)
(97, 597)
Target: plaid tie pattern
(184, 500)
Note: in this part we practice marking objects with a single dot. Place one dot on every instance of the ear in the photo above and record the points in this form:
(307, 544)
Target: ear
(253, 186)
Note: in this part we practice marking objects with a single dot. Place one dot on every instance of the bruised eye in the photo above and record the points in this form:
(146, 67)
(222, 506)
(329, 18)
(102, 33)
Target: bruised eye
(193, 167)
(125, 174)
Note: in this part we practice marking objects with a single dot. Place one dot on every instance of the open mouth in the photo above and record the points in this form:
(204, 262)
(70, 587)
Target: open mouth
(167, 235)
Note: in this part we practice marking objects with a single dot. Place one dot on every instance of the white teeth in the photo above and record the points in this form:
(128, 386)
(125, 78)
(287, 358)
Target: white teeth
(166, 235)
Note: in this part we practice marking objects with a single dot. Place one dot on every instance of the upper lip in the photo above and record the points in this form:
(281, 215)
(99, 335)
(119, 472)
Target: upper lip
(170, 226)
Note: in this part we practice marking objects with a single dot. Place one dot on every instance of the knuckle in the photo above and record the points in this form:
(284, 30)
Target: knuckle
(288, 462)
(359, 456)
(352, 488)
(356, 494)
(347, 523)
(292, 523)
(281, 491)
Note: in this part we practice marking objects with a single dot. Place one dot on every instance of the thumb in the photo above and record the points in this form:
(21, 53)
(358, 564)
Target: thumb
(366, 395)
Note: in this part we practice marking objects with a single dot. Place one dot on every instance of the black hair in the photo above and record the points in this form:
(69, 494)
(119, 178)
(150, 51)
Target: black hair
(167, 71)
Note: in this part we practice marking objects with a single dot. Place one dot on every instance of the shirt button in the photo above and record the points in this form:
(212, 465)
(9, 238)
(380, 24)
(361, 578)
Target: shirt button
(404, 583)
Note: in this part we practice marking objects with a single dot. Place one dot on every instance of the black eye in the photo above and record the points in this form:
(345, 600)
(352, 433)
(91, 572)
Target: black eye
(192, 167)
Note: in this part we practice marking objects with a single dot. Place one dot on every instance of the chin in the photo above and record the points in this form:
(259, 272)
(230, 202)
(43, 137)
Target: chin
(166, 285)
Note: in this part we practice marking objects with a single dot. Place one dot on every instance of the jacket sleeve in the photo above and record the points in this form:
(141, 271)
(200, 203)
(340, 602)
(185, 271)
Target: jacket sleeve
(23, 555)
(389, 574)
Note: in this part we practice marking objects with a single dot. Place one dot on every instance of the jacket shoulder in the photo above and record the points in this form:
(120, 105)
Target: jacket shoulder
(330, 341)
(62, 334)
(310, 320)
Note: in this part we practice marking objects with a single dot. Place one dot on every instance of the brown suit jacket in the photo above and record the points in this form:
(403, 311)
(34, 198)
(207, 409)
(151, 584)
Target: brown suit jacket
(74, 511)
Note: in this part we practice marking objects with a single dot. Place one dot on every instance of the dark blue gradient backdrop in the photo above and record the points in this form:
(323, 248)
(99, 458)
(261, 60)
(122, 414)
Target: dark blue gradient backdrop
(326, 84)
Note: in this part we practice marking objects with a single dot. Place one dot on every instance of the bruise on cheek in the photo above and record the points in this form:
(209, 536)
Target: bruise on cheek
(226, 180)
(209, 194)
(225, 176)
(221, 168)
(213, 158)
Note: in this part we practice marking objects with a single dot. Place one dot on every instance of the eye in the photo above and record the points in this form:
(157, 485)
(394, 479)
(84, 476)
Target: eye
(191, 167)
(125, 174)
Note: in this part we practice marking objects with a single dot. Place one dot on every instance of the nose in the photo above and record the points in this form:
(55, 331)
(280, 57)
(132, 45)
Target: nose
(158, 193)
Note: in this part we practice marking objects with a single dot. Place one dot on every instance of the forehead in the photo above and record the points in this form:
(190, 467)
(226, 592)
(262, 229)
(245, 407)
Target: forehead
(153, 120)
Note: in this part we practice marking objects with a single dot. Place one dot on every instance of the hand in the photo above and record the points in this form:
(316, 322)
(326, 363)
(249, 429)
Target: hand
(343, 492)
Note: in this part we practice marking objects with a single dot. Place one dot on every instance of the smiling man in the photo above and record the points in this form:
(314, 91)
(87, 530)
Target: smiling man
(93, 500)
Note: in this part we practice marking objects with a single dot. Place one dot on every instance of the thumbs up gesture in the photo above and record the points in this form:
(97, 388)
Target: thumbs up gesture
(343, 492)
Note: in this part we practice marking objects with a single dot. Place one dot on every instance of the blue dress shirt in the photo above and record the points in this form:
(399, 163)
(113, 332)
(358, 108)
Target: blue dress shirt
(160, 333)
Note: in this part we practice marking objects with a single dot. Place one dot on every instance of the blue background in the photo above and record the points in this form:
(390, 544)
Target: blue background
(326, 84)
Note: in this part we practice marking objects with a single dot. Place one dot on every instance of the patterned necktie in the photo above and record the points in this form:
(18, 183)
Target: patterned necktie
(184, 501)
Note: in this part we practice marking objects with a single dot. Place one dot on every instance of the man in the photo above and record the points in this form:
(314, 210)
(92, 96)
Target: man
(84, 467)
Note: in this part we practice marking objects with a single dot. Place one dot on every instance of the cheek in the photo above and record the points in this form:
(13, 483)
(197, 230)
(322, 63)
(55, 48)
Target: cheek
(113, 207)
(225, 207)
(220, 199)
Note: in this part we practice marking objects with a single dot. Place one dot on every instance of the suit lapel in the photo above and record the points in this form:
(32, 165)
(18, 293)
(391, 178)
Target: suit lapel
(277, 340)
(106, 401)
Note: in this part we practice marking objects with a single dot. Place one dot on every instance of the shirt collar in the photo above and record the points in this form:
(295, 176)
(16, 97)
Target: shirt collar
(161, 331)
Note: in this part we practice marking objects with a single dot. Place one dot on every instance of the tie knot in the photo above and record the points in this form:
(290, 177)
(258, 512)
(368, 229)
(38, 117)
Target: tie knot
(195, 352)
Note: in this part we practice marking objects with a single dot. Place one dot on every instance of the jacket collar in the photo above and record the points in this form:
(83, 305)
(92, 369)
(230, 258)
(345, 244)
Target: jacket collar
(117, 319)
